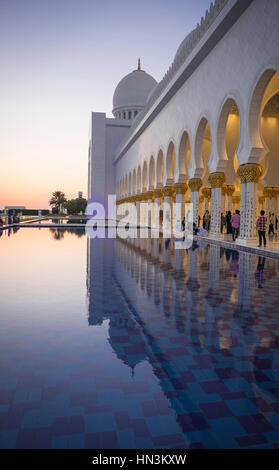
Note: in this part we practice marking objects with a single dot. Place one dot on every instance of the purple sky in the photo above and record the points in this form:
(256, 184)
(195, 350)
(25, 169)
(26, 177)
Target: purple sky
(62, 59)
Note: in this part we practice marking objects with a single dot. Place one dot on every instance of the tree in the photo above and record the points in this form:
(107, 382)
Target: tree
(58, 200)
(75, 206)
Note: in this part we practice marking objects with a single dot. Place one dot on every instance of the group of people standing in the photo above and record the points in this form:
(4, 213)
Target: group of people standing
(231, 223)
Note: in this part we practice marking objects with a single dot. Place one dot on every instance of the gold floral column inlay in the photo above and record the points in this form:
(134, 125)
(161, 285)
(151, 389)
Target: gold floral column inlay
(250, 173)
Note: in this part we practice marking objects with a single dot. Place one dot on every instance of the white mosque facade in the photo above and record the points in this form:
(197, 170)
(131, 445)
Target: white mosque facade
(208, 132)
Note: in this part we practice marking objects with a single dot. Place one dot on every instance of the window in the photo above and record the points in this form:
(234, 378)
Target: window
(130, 115)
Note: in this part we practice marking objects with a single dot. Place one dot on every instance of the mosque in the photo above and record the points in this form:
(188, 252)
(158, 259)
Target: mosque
(207, 133)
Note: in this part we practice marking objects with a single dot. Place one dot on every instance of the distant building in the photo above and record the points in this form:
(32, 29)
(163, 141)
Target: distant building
(80, 194)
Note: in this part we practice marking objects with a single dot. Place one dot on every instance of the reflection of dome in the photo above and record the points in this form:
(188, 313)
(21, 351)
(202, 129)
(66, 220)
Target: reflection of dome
(131, 94)
(126, 341)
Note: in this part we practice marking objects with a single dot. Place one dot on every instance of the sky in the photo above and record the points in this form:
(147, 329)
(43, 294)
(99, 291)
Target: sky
(62, 59)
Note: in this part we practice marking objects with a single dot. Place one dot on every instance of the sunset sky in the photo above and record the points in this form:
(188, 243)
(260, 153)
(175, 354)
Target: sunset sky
(62, 59)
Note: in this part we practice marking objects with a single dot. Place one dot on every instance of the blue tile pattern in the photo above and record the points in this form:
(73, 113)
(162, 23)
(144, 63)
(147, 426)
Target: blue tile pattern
(173, 351)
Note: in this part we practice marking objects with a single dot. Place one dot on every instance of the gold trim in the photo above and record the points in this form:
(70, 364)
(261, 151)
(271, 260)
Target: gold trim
(217, 179)
(206, 192)
(180, 188)
(167, 191)
(158, 193)
(195, 184)
(250, 173)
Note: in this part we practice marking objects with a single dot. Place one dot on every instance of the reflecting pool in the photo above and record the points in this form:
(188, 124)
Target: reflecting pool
(132, 344)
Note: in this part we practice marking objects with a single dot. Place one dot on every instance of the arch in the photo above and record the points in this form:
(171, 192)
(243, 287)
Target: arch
(151, 173)
(255, 107)
(160, 169)
(203, 148)
(269, 129)
(170, 163)
(134, 181)
(139, 179)
(199, 141)
(144, 176)
(184, 154)
(229, 120)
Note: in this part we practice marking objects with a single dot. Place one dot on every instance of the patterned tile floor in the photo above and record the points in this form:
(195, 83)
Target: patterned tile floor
(113, 344)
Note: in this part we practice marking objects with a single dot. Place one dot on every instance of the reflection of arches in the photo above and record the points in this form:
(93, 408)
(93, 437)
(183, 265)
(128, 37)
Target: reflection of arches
(228, 136)
(139, 180)
(144, 177)
(184, 155)
(170, 163)
(160, 168)
(134, 181)
(151, 173)
(203, 146)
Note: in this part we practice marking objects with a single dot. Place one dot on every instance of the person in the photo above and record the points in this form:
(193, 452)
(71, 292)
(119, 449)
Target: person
(202, 232)
(234, 266)
(271, 224)
(206, 220)
(183, 225)
(261, 227)
(259, 275)
(223, 222)
(228, 220)
(235, 222)
(195, 229)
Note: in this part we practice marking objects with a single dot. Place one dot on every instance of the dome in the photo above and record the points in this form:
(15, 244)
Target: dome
(132, 91)
(184, 44)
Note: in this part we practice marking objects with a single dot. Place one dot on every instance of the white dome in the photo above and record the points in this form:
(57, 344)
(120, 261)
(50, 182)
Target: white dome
(184, 44)
(133, 90)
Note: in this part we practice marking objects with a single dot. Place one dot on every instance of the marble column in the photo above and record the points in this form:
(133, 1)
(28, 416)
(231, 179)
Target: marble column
(236, 203)
(157, 204)
(150, 202)
(206, 192)
(270, 194)
(180, 191)
(195, 185)
(168, 208)
(217, 181)
(230, 189)
(138, 204)
(249, 174)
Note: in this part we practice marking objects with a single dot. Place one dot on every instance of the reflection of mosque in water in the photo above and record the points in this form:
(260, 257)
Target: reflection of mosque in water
(185, 311)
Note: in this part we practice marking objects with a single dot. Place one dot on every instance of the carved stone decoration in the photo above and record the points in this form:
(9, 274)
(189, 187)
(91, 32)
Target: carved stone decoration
(270, 192)
(167, 191)
(217, 179)
(250, 173)
(230, 189)
(180, 188)
(195, 184)
(206, 192)
(158, 193)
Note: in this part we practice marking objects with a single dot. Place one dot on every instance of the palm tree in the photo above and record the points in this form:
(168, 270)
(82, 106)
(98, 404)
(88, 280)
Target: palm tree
(58, 200)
